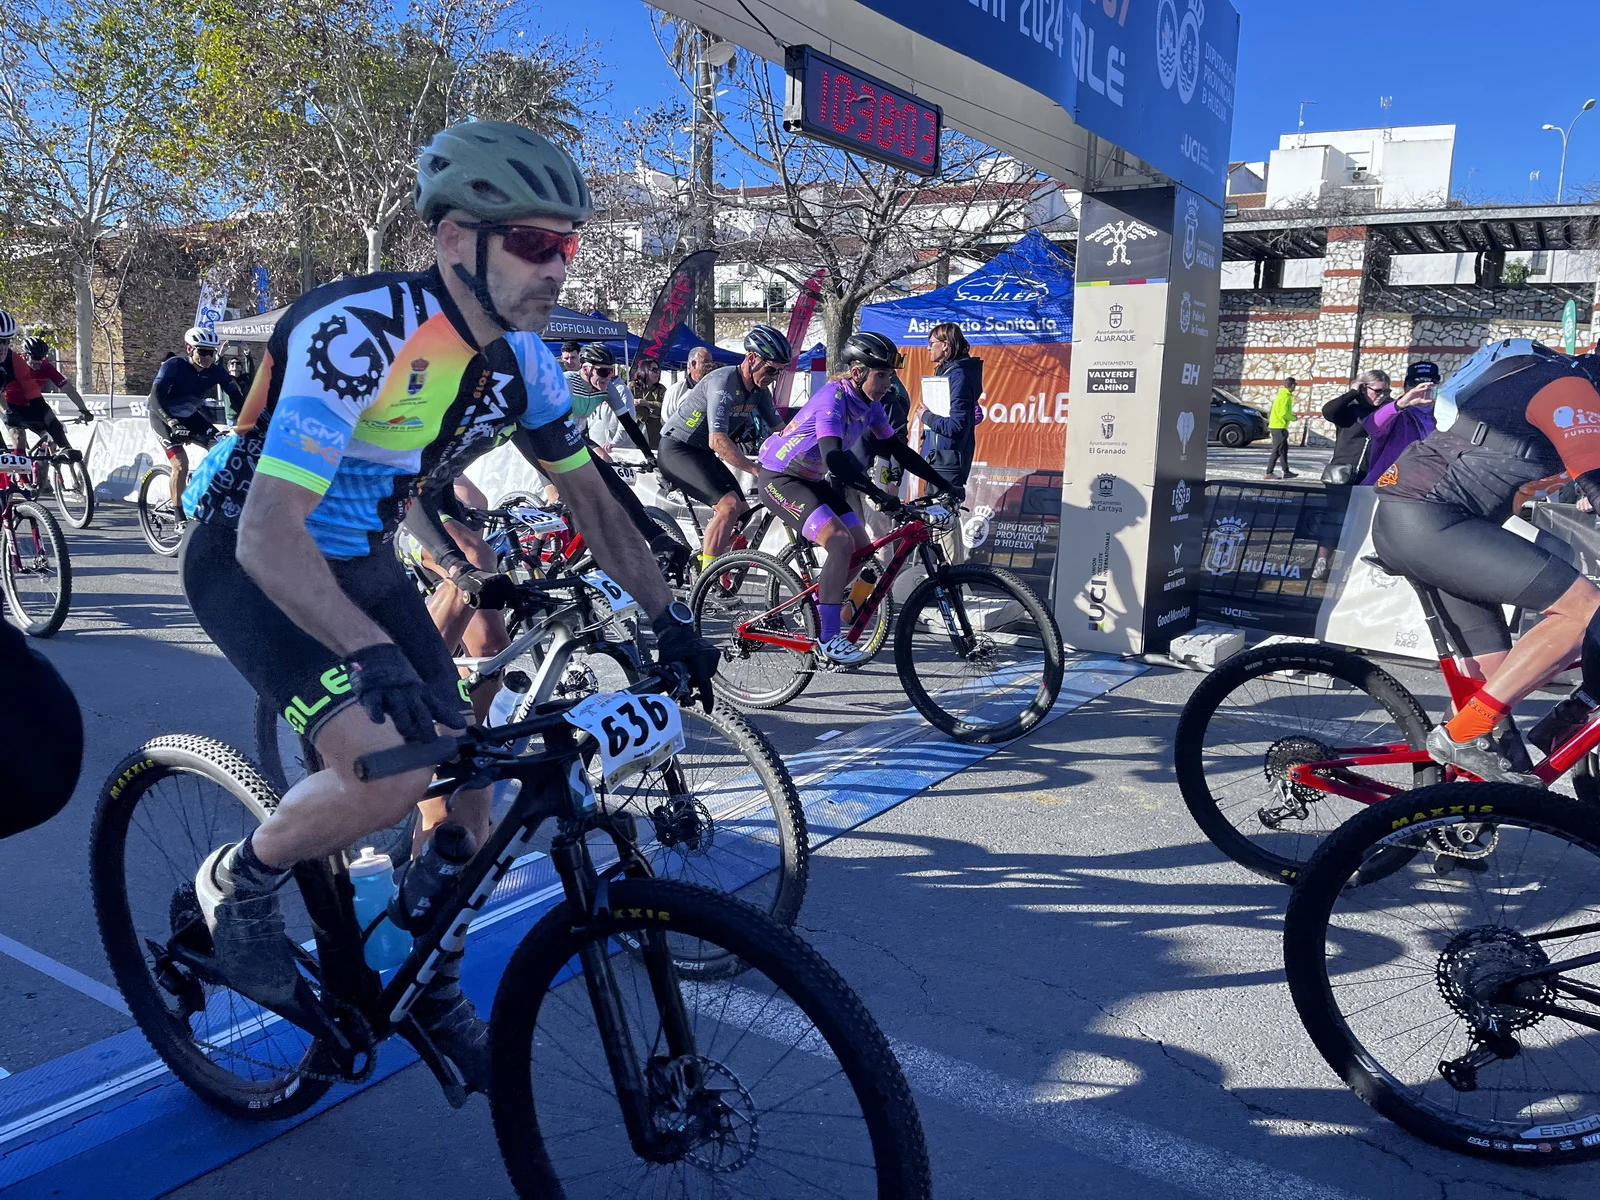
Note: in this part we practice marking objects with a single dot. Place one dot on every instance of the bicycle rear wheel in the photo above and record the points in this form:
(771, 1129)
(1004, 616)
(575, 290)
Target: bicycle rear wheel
(1265, 711)
(69, 482)
(161, 812)
(723, 814)
(1431, 995)
(743, 588)
(784, 1086)
(162, 527)
(978, 653)
(37, 572)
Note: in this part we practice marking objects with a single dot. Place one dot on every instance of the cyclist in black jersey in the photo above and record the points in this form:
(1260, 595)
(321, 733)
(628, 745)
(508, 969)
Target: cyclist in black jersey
(370, 389)
(1515, 412)
(177, 403)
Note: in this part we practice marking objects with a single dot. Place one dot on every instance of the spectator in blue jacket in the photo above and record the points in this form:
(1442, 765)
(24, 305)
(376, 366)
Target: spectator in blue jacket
(947, 442)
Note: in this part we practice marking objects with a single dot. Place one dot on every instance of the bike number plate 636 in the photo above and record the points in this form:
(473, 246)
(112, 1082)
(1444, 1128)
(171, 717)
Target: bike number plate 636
(635, 732)
(620, 602)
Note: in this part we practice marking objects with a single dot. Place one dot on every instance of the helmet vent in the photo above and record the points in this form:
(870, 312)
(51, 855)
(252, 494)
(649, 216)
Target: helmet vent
(541, 187)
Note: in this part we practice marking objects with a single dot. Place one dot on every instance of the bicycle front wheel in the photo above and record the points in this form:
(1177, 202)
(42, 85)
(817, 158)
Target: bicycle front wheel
(740, 598)
(69, 483)
(1462, 1004)
(726, 815)
(37, 571)
(161, 812)
(978, 653)
(778, 1084)
(1268, 710)
(161, 526)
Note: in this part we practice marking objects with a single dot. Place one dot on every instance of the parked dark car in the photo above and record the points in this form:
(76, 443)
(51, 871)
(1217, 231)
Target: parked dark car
(1234, 423)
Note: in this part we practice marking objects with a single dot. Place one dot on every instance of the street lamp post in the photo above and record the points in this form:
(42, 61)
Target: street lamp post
(1566, 135)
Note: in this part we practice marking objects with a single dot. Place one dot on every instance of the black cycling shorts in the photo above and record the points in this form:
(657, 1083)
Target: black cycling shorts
(804, 505)
(40, 418)
(298, 675)
(697, 470)
(1476, 565)
(173, 432)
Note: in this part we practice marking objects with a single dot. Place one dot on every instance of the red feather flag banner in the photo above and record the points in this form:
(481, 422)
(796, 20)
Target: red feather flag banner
(673, 303)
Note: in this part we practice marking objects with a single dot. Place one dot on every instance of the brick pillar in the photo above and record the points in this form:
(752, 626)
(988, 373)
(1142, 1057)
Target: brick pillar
(1344, 271)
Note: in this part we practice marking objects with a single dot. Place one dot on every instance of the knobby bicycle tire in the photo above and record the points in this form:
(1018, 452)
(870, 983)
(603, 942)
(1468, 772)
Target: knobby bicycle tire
(23, 555)
(130, 781)
(800, 974)
(664, 520)
(801, 619)
(789, 835)
(1335, 872)
(1306, 657)
(926, 597)
(874, 638)
(168, 546)
(78, 472)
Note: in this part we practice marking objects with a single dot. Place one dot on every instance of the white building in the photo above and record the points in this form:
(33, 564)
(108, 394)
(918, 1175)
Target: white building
(1401, 167)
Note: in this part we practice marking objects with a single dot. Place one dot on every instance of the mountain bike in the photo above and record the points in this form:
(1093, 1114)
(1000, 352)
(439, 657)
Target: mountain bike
(1464, 1008)
(1282, 744)
(616, 1071)
(35, 569)
(69, 478)
(722, 812)
(978, 653)
(161, 526)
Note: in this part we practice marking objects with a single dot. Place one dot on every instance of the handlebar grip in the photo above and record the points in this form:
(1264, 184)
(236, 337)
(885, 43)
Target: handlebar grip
(413, 756)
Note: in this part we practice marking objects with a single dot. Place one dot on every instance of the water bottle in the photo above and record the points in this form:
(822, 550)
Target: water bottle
(372, 876)
(1562, 721)
(429, 878)
(860, 593)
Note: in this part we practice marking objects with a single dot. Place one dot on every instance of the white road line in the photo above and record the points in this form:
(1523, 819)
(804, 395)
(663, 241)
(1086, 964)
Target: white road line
(1059, 1112)
(61, 973)
(829, 736)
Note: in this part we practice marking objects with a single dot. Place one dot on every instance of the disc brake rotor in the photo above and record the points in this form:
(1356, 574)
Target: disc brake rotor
(702, 1107)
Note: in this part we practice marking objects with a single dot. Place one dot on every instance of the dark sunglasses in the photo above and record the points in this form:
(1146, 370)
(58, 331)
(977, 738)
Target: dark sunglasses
(532, 244)
(604, 372)
(205, 352)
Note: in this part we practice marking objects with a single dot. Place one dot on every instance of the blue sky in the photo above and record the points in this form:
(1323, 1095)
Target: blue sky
(1497, 71)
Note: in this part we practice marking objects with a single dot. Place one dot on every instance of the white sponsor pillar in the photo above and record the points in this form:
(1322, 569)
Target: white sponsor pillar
(1143, 347)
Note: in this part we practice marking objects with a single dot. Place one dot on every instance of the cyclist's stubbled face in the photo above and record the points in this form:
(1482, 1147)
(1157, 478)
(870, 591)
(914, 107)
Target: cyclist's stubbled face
(524, 292)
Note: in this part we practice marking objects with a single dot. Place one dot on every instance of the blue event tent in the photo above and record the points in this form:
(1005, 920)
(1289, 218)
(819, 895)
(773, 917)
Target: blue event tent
(684, 340)
(1022, 296)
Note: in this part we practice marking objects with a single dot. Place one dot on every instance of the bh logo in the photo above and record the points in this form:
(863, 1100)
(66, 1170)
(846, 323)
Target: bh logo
(1178, 46)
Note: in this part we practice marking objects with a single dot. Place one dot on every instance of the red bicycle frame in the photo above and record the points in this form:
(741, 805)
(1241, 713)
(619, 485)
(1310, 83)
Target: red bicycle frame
(910, 536)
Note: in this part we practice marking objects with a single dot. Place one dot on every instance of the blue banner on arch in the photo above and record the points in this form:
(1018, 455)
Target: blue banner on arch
(1155, 77)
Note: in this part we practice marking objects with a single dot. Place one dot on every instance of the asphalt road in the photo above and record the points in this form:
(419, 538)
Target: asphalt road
(1088, 999)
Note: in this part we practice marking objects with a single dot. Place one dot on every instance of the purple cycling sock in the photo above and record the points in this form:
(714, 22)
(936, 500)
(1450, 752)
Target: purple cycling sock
(828, 618)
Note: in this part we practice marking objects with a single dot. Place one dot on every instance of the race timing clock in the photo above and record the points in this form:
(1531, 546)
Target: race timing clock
(850, 109)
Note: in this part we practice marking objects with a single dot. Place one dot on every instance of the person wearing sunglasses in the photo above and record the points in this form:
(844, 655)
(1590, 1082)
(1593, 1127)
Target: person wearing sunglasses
(700, 444)
(373, 396)
(22, 397)
(178, 403)
(1368, 393)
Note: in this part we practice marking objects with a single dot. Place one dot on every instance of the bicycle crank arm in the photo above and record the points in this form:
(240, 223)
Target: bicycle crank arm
(455, 1093)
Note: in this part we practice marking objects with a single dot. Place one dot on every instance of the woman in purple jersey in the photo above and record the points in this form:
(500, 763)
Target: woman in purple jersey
(805, 466)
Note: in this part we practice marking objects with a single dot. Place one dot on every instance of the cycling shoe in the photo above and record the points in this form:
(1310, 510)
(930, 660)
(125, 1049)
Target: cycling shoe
(1478, 757)
(251, 947)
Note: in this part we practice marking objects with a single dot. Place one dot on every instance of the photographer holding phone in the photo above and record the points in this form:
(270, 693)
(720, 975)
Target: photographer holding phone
(1395, 425)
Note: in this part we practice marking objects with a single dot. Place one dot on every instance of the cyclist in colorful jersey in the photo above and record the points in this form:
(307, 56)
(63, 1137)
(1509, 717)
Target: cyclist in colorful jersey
(369, 388)
(700, 443)
(1516, 411)
(805, 466)
(178, 403)
(23, 400)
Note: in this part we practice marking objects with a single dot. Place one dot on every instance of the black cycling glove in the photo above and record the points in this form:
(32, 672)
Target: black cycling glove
(681, 644)
(385, 683)
(487, 589)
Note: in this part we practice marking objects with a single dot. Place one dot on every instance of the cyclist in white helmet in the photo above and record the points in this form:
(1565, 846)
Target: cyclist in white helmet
(177, 403)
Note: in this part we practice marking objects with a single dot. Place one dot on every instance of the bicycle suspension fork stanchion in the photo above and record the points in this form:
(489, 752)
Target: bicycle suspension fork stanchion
(956, 621)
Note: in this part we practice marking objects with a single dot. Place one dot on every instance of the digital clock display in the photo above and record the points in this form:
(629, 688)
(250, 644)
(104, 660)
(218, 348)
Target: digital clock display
(849, 109)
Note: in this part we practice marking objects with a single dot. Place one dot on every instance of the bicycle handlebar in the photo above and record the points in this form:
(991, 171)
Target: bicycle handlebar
(669, 678)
